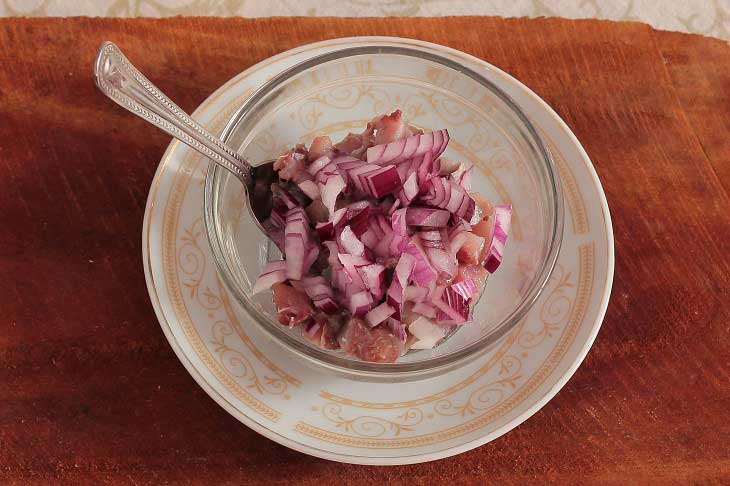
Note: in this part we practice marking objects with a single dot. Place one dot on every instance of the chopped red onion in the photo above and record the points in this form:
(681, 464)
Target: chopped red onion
(415, 294)
(333, 257)
(274, 272)
(400, 232)
(318, 165)
(394, 207)
(383, 248)
(350, 242)
(401, 276)
(327, 172)
(379, 314)
(426, 332)
(500, 229)
(454, 309)
(357, 215)
(278, 217)
(404, 208)
(357, 176)
(426, 169)
(319, 290)
(325, 231)
(424, 309)
(360, 303)
(427, 217)
(444, 193)
(406, 148)
(275, 234)
(382, 182)
(310, 189)
(330, 190)
(442, 261)
(373, 276)
(464, 179)
(370, 239)
(423, 272)
(351, 263)
(409, 191)
(296, 242)
(310, 258)
(397, 328)
(467, 288)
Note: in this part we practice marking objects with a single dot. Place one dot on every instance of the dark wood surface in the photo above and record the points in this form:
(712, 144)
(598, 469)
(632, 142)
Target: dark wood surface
(91, 392)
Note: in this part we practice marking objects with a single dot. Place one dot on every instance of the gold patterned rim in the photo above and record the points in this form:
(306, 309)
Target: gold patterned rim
(171, 214)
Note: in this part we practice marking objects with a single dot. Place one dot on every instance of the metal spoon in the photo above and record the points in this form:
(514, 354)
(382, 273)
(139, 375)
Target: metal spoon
(117, 78)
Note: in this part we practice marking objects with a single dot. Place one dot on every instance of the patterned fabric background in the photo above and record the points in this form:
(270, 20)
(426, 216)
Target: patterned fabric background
(708, 17)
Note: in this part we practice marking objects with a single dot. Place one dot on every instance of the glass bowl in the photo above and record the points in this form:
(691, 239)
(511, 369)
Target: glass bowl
(339, 92)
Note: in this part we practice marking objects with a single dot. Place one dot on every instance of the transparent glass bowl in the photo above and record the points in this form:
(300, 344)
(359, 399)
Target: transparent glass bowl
(339, 92)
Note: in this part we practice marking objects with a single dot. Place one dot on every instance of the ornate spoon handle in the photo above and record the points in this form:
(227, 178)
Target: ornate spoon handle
(122, 82)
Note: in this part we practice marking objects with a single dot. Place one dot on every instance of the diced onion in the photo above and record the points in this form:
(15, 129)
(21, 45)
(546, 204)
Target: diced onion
(500, 229)
(379, 314)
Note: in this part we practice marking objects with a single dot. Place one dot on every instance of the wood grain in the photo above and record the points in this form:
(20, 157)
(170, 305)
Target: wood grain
(90, 391)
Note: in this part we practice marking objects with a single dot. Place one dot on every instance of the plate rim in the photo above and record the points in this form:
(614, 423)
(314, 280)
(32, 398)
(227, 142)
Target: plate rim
(383, 460)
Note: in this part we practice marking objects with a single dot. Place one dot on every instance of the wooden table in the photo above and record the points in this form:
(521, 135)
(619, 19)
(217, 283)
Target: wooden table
(90, 391)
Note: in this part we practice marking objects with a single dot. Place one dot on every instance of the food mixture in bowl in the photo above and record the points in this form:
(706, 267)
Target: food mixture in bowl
(385, 247)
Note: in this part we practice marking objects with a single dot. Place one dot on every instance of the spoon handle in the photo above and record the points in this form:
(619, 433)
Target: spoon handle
(117, 78)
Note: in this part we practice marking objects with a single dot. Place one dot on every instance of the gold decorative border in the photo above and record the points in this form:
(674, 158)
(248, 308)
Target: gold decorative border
(572, 192)
(586, 254)
(170, 231)
(249, 343)
(511, 338)
(176, 298)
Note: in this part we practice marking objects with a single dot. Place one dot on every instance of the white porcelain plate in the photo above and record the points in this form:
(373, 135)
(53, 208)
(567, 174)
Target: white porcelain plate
(367, 423)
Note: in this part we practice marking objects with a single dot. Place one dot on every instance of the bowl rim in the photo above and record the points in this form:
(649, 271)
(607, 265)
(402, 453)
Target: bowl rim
(389, 371)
